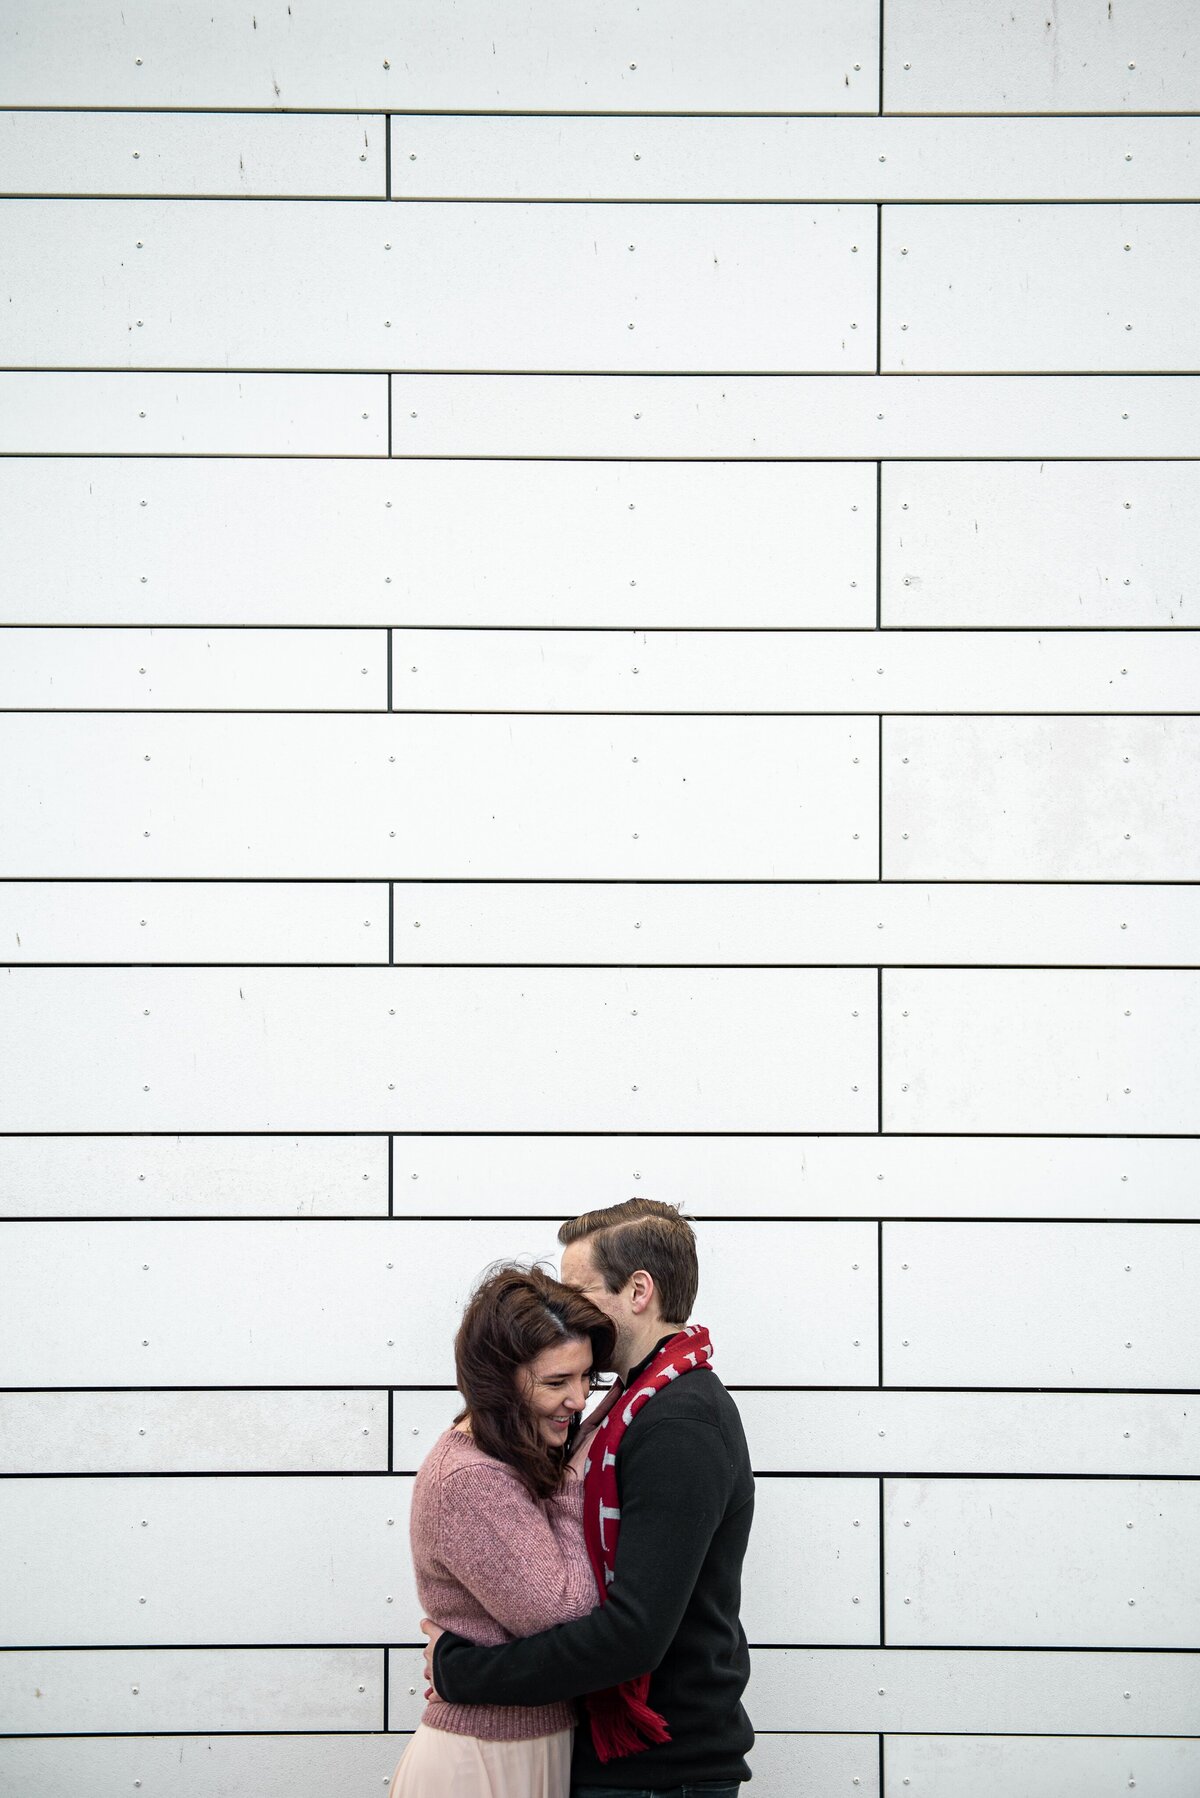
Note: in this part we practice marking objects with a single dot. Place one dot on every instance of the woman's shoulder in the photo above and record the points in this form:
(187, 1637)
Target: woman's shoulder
(455, 1452)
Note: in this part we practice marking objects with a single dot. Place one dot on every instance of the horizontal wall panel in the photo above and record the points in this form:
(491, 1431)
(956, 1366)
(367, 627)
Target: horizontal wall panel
(150, 153)
(194, 1560)
(784, 1765)
(551, 543)
(122, 670)
(225, 1176)
(793, 415)
(1040, 1767)
(193, 1432)
(1053, 1050)
(78, 1691)
(1059, 1563)
(439, 1049)
(842, 924)
(224, 284)
(1050, 287)
(792, 671)
(299, 1766)
(190, 921)
(1044, 1304)
(793, 158)
(88, 414)
(980, 1692)
(812, 1566)
(256, 1304)
(799, 56)
(944, 56)
(961, 1432)
(483, 797)
(1050, 798)
(419, 1415)
(1057, 544)
(797, 1175)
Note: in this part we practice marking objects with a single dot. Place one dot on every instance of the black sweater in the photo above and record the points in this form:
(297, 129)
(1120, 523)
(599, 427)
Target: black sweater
(687, 1498)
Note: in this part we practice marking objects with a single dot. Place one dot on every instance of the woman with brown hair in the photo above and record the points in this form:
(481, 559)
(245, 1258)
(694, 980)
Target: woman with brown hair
(497, 1527)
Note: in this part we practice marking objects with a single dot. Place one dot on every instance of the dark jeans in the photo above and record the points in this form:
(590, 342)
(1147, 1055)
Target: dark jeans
(703, 1790)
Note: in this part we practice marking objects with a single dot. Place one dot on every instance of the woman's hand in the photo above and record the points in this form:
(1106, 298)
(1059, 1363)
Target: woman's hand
(431, 1629)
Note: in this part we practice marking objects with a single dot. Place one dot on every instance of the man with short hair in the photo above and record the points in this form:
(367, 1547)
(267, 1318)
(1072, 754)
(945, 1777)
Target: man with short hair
(668, 1501)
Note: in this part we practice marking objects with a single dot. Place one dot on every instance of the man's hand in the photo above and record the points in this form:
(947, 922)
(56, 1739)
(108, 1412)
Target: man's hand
(431, 1629)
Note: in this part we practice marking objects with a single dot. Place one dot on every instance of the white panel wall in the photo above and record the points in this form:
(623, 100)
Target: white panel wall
(600, 600)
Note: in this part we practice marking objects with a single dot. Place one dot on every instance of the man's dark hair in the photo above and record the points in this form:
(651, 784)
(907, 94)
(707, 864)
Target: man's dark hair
(646, 1234)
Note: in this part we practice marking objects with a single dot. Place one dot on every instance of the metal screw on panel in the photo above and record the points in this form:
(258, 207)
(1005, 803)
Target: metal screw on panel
(1133, 65)
(136, 155)
(389, 1601)
(857, 1343)
(1124, 927)
(854, 249)
(387, 246)
(391, 1344)
(138, 62)
(636, 156)
(854, 584)
(1132, 1602)
(145, 1266)
(854, 1601)
(858, 66)
(908, 65)
(1126, 1694)
(881, 1691)
(366, 414)
(1125, 1433)
(1125, 1176)
(142, 1601)
(1124, 415)
(904, 252)
(1128, 157)
(907, 1523)
(1129, 1345)
(138, 245)
(881, 1432)
(1129, 327)
(391, 1086)
(1128, 246)
(387, 324)
(1126, 836)
(879, 415)
(633, 1089)
(412, 156)
(362, 158)
(141, 415)
(135, 1690)
(637, 415)
(633, 65)
(416, 1176)
(883, 159)
(855, 835)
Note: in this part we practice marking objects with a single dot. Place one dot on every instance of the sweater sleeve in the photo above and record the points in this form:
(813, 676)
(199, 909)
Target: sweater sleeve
(526, 1564)
(675, 1485)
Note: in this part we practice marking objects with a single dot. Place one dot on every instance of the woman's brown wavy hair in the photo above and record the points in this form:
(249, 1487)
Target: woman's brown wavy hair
(513, 1314)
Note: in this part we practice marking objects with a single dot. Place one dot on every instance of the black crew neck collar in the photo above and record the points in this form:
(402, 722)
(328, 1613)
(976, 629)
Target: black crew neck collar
(635, 1373)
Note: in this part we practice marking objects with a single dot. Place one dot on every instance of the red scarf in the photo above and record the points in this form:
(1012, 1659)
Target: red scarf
(622, 1720)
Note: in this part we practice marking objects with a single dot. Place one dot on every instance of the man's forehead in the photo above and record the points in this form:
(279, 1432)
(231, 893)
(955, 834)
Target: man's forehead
(577, 1258)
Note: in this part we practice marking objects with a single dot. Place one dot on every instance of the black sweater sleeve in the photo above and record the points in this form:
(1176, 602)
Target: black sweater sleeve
(675, 1485)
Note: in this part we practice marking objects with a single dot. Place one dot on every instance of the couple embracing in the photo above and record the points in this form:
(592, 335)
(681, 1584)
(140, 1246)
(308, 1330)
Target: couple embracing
(582, 1579)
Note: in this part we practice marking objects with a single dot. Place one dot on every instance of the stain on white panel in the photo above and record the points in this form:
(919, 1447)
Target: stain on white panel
(840, 924)
(1048, 798)
(733, 671)
(193, 1176)
(1041, 1304)
(82, 921)
(331, 284)
(793, 158)
(1070, 1050)
(798, 1176)
(90, 413)
(1041, 1766)
(197, 1766)
(974, 1691)
(525, 798)
(1066, 545)
(684, 55)
(193, 1432)
(948, 1432)
(196, 1560)
(122, 670)
(944, 56)
(750, 417)
(374, 542)
(92, 1690)
(812, 1566)
(1000, 288)
(135, 1304)
(1059, 1563)
(198, 154)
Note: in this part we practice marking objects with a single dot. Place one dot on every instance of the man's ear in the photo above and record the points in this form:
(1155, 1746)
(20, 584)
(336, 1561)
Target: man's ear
(642, 1291)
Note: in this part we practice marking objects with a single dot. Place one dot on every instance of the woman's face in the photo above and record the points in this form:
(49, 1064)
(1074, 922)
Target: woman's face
(555, 1385)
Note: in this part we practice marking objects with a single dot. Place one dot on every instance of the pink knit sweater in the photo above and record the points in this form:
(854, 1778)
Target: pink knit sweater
(493, 1564)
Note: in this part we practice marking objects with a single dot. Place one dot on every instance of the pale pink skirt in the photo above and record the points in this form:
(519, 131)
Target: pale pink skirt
(437, 1764)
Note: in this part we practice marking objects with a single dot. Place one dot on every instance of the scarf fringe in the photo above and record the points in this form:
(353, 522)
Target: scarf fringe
(623, 1722)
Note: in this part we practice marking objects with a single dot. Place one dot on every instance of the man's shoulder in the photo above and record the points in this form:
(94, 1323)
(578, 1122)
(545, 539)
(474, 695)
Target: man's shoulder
(697, 1397)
